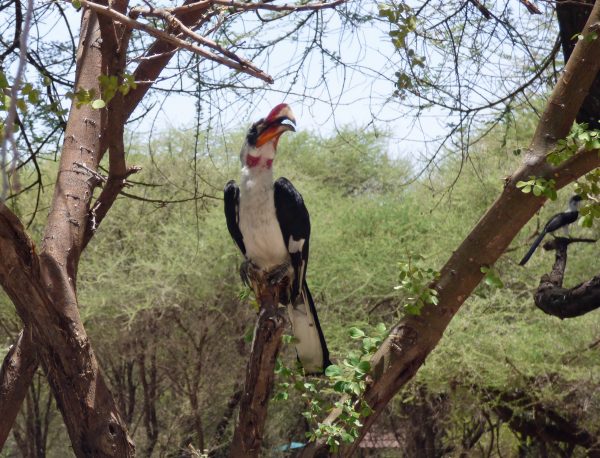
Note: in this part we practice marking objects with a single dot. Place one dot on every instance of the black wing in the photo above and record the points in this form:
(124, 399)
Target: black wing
(294, 222)
(232, 214)
(561, 220)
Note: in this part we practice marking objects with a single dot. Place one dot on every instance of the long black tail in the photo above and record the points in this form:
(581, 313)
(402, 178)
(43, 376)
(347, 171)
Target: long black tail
(310, 342)
(533, 247)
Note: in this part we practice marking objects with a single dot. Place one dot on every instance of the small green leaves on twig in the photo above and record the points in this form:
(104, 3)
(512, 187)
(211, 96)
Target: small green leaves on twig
(349, 378)
(580, 136)
(403, 22)
(589, 189)
(416, 282)
(109, 86)
(539, 187)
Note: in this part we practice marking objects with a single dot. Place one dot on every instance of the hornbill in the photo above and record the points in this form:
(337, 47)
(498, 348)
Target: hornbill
(556, 222)
(270, 224)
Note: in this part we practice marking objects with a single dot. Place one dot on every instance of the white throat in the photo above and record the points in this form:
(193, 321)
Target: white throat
(258, 220)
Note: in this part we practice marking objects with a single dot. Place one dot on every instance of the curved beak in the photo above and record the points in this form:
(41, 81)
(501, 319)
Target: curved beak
(277, 122)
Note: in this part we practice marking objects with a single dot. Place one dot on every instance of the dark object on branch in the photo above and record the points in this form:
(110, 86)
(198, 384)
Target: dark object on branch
(558, 221)
(555, 300)
(571, 21)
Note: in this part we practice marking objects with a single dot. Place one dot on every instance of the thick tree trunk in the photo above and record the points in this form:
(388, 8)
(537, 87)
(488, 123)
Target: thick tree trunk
(260, 377)
(414, 337)
(43, 288)
(15, 377)
(555, 300)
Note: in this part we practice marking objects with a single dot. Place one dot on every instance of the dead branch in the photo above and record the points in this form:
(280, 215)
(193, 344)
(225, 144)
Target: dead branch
(173, 20)
(241, 6)
(555, 300)
(178, 42)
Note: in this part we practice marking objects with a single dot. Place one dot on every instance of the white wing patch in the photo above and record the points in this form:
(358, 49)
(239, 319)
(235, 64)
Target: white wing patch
(294, 246)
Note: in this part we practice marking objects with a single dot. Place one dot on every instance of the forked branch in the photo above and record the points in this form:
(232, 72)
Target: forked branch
(555, 300)
(239, 64)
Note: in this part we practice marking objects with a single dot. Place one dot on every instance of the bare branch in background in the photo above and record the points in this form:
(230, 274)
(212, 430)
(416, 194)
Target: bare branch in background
(9, 124)
(237, 64)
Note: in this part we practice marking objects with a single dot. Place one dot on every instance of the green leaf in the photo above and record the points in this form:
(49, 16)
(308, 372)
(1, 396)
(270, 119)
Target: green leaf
(333, 371)
(3, 80)
(356, 333)
(98, 104)
(364, 367)
(281, 396)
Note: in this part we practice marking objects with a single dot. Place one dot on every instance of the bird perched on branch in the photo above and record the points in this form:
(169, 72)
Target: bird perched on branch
(559, 220)
(270, 224)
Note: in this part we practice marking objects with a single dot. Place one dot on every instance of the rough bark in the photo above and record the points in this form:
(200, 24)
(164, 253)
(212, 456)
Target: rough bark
(414, 337)
(555, 300)
(260, 377)
(43, 288)
(16, 375)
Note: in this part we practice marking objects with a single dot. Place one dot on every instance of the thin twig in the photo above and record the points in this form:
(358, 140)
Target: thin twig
(12, 110)
(132, 23)
(253, 6)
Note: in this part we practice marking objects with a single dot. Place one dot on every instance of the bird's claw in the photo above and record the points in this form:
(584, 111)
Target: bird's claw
(248, 271)
(276, 275)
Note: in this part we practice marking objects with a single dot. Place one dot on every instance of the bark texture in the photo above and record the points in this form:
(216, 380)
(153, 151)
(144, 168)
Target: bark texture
(414, 337)
(16, 375)
(555, 300)
(260, 377)
(43, 287)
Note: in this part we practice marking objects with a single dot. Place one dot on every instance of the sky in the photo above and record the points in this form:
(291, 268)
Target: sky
(358, 94)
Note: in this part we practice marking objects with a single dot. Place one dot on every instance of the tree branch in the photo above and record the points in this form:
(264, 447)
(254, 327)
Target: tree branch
(16, 375)
(248, 434)
(241, 6)
(239, 64)
(555, 300)
(414, 337)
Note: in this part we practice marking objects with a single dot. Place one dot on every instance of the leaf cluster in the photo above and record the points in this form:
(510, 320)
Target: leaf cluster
(349, 379)
(416, 282)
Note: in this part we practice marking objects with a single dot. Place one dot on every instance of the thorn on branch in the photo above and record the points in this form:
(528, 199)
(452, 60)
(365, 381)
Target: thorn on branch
(93, 173)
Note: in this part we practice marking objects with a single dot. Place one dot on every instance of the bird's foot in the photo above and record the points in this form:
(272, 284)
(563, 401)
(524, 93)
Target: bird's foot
(248, 272)
(279, 273)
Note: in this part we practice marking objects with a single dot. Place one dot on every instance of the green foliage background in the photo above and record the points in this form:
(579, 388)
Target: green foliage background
(159, 288)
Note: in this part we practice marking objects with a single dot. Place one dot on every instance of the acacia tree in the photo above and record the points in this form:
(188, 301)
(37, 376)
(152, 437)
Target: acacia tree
(42, 282)
(43, 285)
(414, 337)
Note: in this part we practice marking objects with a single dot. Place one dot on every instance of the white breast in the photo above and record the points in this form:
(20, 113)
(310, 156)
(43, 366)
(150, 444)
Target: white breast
(258, 221)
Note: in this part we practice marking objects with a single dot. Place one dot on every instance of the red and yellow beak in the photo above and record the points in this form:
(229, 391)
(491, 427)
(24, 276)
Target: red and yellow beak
(276, 125)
